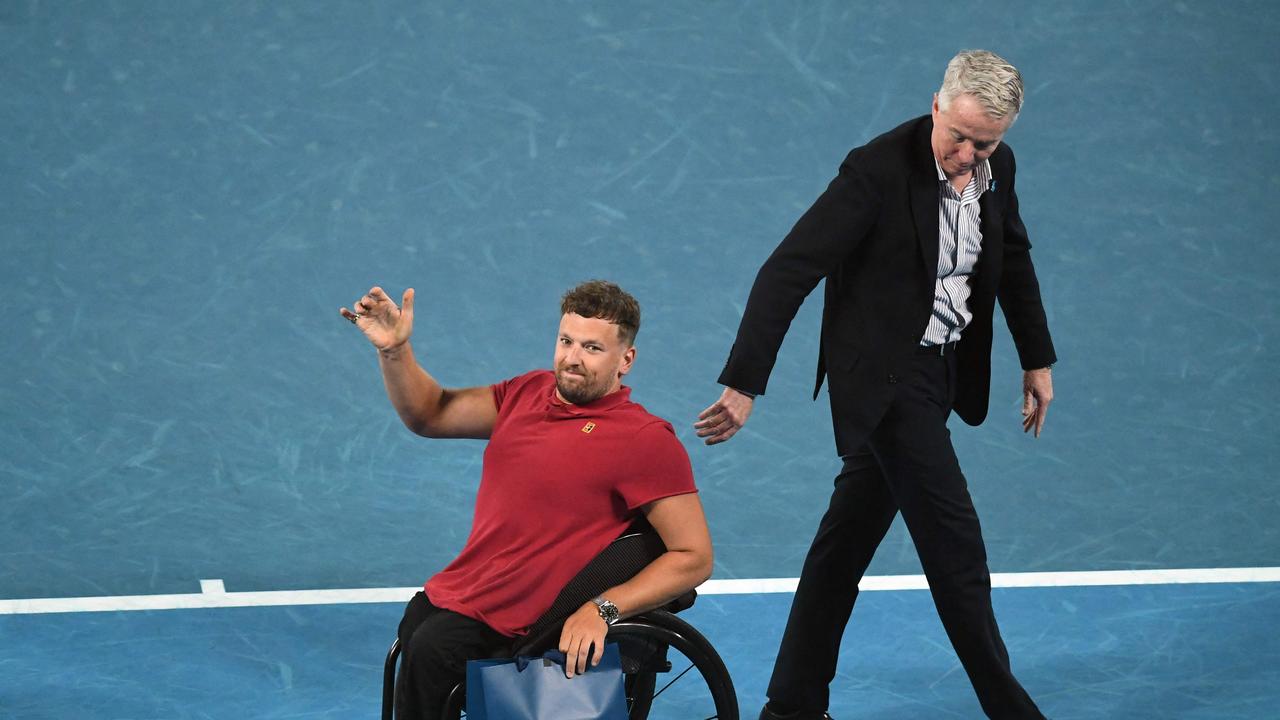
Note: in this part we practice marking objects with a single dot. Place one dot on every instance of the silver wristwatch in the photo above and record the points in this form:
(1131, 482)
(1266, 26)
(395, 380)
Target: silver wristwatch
(608, 611)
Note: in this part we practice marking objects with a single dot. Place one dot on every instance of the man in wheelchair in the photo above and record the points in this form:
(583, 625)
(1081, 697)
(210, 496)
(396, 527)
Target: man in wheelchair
(570, 464)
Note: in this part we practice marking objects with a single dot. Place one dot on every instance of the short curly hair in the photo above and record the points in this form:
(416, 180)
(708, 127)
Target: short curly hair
(605, 300)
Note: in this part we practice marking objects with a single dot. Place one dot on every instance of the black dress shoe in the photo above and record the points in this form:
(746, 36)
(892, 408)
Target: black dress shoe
(768, 714)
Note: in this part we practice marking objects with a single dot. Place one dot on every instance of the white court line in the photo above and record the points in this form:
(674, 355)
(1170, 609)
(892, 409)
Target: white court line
(214, 594)
(1019, 580)
(213, 587)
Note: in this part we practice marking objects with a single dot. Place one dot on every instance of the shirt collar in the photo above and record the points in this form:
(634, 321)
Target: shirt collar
(981, 173)
(599, 405)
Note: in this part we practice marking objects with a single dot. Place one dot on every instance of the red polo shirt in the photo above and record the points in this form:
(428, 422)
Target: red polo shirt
(560, 482)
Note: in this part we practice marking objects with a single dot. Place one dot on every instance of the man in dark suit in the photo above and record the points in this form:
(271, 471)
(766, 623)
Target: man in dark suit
(917, 237)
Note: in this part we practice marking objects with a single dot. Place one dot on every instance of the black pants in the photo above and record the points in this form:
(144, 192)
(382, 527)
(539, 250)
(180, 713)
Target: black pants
(435, 645)
(908, 465)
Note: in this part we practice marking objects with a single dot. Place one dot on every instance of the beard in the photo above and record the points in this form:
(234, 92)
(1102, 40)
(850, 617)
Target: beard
(580, 389)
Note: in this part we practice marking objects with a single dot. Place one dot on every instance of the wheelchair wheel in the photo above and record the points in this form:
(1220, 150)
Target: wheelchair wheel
(672, 672)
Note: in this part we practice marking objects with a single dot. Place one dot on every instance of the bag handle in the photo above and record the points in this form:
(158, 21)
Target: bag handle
(548, 658)
(555, 657)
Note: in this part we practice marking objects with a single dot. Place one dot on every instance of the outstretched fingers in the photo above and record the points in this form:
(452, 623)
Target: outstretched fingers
(406, 306)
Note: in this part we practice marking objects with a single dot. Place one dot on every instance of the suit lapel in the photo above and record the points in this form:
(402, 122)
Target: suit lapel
(924, 199)
(991, 224)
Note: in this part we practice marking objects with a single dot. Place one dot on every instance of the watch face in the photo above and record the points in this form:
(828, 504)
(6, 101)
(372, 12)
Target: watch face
(608, 611)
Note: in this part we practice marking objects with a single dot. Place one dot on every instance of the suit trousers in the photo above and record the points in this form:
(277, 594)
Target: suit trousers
(907, 465)
(435, 645)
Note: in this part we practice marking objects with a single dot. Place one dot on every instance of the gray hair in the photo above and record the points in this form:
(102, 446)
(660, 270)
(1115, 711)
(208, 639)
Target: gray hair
(989, 78)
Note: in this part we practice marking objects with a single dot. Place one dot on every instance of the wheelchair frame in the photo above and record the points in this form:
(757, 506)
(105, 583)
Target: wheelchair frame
(643, 638)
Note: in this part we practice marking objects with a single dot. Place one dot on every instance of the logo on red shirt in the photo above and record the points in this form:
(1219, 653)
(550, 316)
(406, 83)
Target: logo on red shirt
(588, 427)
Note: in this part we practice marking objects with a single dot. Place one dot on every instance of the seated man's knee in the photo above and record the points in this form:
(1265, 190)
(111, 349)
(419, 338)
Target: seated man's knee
(429, 651)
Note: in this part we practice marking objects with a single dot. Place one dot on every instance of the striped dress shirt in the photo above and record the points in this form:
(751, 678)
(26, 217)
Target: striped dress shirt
(959, 244)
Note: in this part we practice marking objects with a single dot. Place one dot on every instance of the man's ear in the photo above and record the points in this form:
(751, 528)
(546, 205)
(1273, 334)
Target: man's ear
(628, 359)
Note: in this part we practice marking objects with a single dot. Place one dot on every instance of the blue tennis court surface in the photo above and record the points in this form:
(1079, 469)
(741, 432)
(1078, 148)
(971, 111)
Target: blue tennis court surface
(1193, 651)
(192, 189)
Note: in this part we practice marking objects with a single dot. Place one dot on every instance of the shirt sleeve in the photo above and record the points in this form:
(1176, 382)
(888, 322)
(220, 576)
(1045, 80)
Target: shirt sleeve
(658, 467)
(504, 390)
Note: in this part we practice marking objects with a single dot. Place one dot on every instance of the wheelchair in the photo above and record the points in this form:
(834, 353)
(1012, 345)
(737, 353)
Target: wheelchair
(656, 646)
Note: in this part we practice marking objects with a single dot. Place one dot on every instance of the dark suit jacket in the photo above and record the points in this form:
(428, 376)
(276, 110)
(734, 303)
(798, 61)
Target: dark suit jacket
(873, 234)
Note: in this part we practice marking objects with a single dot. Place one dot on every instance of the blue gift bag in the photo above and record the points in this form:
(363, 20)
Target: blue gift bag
(535, 688)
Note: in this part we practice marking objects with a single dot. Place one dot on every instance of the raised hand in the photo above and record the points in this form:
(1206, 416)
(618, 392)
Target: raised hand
(388, 327)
